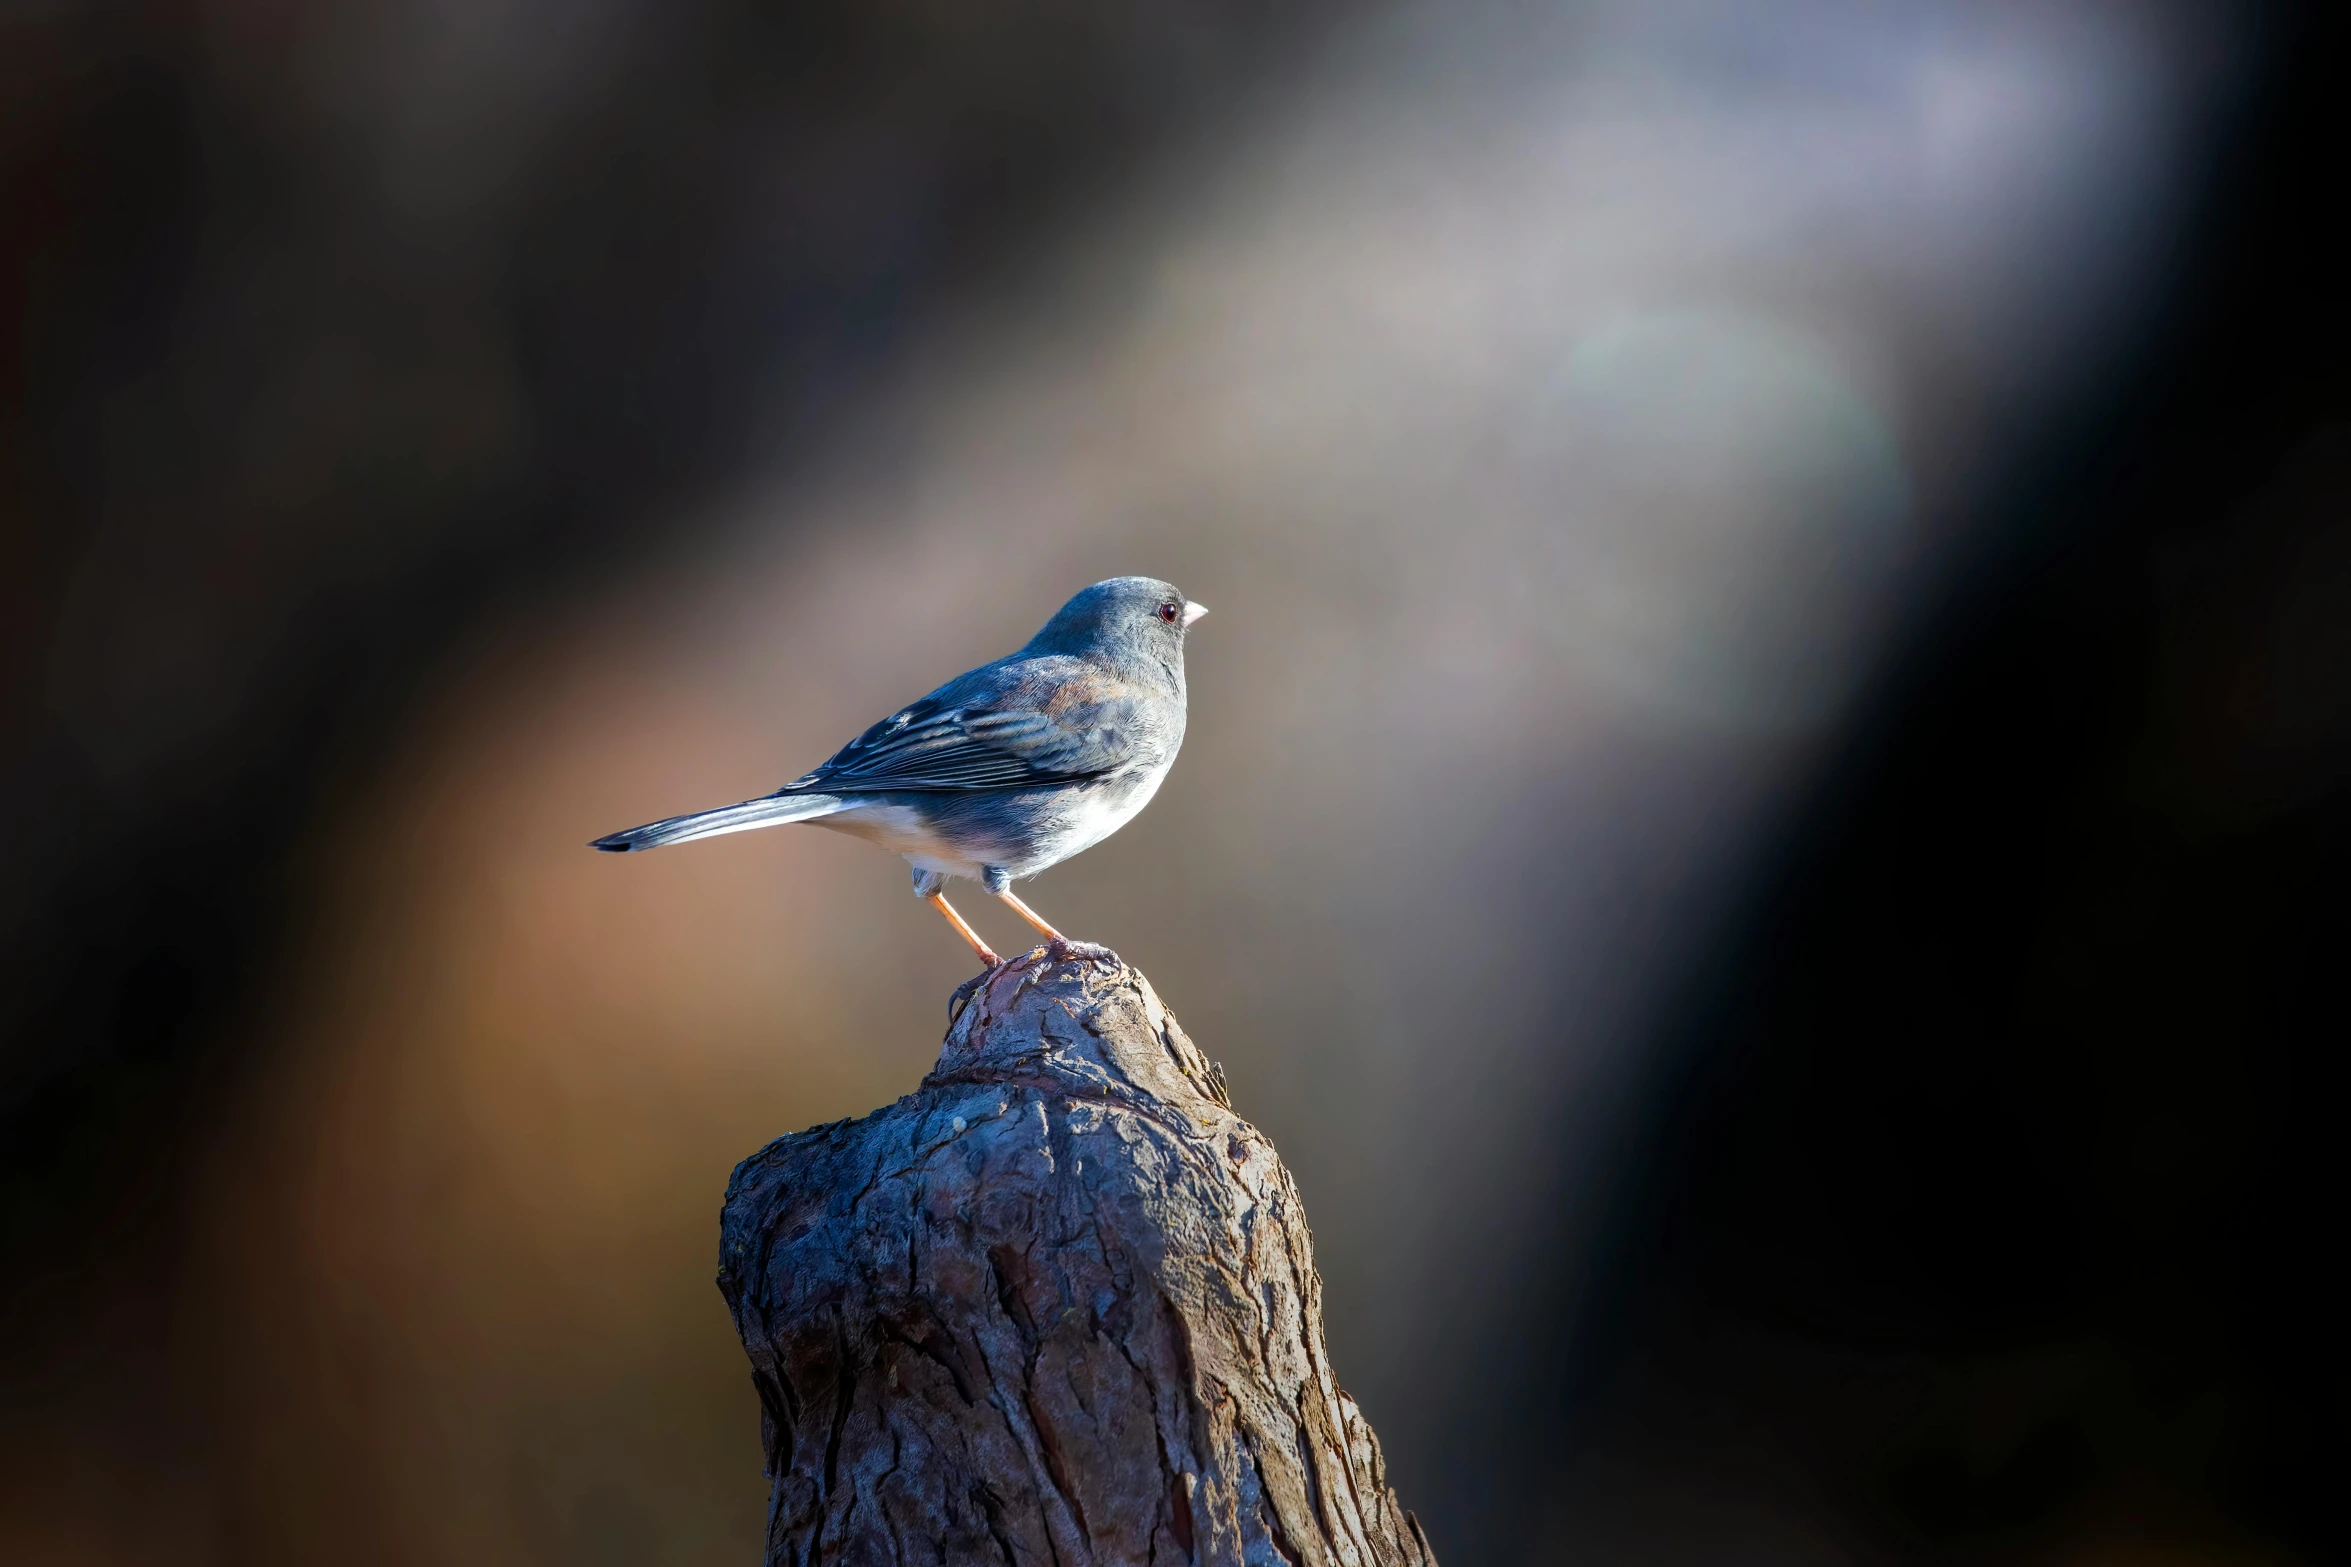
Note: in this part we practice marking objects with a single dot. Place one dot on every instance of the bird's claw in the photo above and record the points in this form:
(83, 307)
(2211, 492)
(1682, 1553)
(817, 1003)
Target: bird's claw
(965, 991)
(1063, 950)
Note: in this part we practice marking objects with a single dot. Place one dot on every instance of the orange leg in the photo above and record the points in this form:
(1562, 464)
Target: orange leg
(939, 901)
(1031, 915)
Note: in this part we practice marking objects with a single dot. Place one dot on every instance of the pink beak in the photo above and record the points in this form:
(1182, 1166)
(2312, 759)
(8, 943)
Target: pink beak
(1193, 612)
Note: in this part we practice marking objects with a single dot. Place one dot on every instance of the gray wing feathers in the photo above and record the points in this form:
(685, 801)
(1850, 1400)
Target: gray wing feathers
(1082, 740)
(991, 735)
(919, 750)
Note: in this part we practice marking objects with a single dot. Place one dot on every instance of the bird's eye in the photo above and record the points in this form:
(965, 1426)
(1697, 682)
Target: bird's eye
(1171, 613)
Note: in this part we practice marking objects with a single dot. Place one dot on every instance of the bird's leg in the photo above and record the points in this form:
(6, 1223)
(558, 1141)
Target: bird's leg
(938, 900)
(999, 881)
(927, 886)
(1031, 915)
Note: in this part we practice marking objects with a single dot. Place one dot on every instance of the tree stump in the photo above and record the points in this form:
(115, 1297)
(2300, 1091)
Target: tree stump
(1058, 1306)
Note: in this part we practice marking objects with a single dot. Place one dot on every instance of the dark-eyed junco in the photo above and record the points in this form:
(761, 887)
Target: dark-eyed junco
(1006, 770)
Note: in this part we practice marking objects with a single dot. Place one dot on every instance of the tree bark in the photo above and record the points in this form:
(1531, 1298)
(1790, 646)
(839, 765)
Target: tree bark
(1057, 1306)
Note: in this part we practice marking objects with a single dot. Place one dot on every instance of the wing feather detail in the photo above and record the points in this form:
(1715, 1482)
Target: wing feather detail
(1087, 725)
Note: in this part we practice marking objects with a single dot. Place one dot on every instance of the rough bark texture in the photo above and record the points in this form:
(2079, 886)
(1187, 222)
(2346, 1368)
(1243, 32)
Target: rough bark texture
(1058, 1306)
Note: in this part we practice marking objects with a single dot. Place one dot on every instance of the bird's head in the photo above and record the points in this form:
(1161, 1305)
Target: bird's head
(1124, 619)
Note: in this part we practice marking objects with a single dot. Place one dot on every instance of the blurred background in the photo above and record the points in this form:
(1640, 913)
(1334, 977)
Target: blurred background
(1765, 812)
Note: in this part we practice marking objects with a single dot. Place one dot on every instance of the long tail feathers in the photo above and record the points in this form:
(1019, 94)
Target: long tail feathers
(772, 811)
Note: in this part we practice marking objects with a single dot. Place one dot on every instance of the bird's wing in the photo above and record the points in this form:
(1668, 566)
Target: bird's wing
(1016, 728)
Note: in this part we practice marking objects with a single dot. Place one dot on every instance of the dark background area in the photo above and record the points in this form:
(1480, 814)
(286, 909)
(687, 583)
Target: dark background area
(2016, 1098)
(1990, 1203)
(202, 637)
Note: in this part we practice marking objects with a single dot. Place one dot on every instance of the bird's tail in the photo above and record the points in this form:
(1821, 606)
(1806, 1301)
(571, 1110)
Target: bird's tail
(770, 811)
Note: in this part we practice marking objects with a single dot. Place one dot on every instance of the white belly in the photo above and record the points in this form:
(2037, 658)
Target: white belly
(1094, 816)
(1050, 831)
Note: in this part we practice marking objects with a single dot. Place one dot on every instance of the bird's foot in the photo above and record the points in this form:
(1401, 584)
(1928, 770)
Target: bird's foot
(1062, 950)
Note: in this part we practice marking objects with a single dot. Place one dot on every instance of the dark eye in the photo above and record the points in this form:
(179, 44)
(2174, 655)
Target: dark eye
(1171, 613)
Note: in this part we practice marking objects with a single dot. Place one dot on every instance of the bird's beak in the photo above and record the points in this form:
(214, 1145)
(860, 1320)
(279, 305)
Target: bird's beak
(1193, 612)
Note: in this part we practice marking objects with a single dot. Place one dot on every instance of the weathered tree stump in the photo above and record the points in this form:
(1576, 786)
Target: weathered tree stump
(1057, 1306)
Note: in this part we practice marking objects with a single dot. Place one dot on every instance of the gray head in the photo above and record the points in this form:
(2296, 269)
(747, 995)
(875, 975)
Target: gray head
(1125, 621)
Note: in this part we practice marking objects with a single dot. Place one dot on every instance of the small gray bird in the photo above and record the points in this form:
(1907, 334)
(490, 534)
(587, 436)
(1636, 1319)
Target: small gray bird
(1006, 770)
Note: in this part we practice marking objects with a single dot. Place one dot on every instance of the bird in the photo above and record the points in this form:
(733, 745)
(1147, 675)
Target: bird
(1005, 770)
